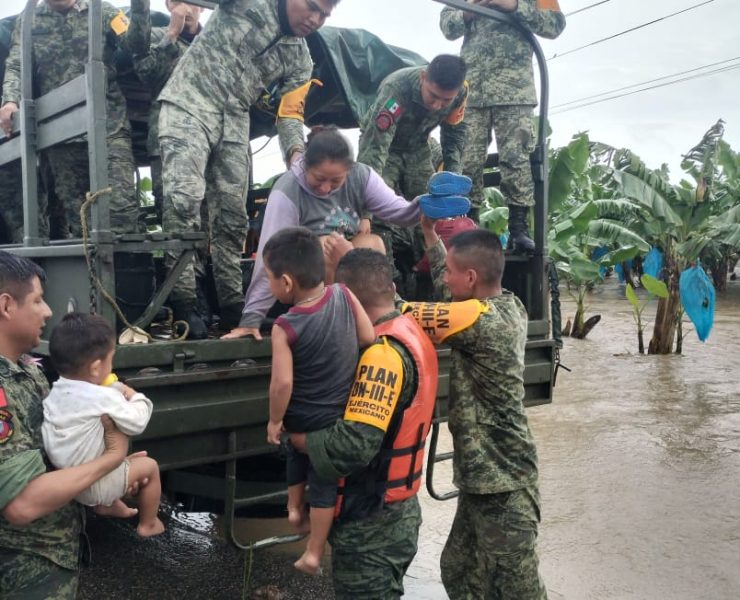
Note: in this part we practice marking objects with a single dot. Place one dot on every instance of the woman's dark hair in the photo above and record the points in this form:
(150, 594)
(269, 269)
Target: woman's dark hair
(326, 143)
(79, 339)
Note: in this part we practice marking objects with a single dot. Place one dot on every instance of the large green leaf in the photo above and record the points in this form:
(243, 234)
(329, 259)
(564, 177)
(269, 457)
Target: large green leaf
(612, 232)
(567, 164)
(619, 255)
(641, 191)
(495, 219)
(655, 286)
(631, 296)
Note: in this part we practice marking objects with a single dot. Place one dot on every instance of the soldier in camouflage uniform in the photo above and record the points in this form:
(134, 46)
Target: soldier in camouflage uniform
(11, 190)
(502, 98)
(373, 543)
(246, 47)
(155, 53)
(39, 524)
(490, 552)
(410, 103)
(60, 51)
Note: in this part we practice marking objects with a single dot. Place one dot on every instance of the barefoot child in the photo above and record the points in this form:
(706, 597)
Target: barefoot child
(315, 348)
(81, 349)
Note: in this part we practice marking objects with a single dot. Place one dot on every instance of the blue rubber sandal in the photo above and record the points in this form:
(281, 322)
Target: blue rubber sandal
(444, 207)
(446, 183)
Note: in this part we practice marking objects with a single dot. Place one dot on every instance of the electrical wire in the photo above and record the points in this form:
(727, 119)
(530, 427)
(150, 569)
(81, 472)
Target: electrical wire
(653, 87)
(575, 12)
(649, 81)
(630, 30)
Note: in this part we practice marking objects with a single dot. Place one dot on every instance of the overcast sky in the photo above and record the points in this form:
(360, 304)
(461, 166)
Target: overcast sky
(659, 124)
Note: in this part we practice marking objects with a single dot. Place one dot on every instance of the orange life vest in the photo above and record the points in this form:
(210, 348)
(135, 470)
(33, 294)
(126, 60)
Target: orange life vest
(395, 473)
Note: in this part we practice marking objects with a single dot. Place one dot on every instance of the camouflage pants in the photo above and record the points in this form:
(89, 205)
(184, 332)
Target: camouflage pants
(207, 159)
(155, 165)
(371, 556)
(408, 174)
(11, 206)
(26, 576)
(512, 126)
(490, 552)
(68, 175)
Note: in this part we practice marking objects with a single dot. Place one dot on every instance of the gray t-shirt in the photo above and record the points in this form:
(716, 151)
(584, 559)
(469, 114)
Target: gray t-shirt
(323, 341)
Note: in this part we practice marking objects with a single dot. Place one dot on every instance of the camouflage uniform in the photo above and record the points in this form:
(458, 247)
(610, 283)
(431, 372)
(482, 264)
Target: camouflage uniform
(39, 560)
(60, 52)
(154, 59)
(369, 556)
(11, 190)
(204, 131)
(490, 552)
(395, 142)
(502, 92)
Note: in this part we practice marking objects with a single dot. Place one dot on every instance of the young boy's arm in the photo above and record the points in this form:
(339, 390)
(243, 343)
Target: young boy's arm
(365, 330)
(281, 383)
(131, 415)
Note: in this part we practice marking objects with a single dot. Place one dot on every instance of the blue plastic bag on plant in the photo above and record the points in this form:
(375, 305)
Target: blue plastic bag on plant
(653, 263)
(697, 297)
(597, 254)
(619, 270)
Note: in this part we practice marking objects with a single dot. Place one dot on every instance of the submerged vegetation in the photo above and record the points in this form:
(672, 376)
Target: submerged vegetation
(606, 207)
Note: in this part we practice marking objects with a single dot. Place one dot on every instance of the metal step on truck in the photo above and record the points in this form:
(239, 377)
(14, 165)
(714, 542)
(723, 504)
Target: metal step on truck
(210, 397)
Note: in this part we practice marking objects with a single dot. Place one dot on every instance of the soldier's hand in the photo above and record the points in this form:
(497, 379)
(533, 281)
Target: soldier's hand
(6, 117)
(116, 443)
(177, 20)
(240, 332)
(502, 5)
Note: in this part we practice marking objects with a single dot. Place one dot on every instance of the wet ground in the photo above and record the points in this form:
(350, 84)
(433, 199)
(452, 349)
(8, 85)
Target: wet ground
(640, 485)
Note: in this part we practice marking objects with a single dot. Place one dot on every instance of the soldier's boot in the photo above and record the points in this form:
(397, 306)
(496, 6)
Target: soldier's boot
(184, 311)
(230, 315)
(519, 240)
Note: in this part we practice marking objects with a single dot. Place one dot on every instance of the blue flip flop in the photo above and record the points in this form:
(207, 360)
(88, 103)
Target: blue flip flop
(446, 183)
(444, 207)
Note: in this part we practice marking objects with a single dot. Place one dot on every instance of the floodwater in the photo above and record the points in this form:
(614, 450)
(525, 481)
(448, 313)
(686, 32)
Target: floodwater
(640, 484)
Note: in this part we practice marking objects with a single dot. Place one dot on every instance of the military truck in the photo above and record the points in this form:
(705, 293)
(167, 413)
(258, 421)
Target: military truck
(211, 396)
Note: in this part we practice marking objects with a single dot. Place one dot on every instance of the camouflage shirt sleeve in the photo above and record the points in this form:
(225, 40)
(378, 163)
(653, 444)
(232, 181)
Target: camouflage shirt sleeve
(348, 446)
(378, 131)
(547, 21)
(290, 130)
(452, 138)
(138, 36)
(12, 80)
(451, 23)
(437, 254)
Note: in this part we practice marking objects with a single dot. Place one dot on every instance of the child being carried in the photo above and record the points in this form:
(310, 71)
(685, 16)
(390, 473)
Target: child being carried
(81, 349)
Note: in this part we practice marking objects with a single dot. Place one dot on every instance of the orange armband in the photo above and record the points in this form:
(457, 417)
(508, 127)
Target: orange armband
(293, 104)
(548, 5)
(440, 320)
(377, 386)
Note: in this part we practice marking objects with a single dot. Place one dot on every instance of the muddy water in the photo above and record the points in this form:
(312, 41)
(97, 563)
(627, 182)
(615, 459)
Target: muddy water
(640, 483)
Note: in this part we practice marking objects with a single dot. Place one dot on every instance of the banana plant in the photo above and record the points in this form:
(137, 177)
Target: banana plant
(584, 215)
(654, 288)
(688, 221)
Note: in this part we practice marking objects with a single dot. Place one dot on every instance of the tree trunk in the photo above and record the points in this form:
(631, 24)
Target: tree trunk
(679, 333)
(665, 319)
(719, 273)
(640, 341)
